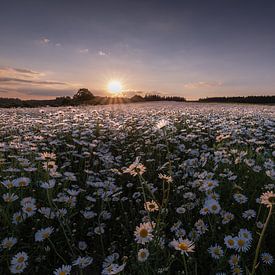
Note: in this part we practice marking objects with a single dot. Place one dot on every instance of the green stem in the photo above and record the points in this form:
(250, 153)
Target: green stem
(56, 251)
(53, 206)
(185, 265)
(260, 241)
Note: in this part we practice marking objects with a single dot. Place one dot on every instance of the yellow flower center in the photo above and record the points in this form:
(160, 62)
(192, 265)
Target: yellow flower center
(142, 254)
(231, 242)
(8, 244)
(241, 242)
(45, 235)
(10, 185)
(143, 233)
(214, 207)
(237, 270)
(217, 251)
(22, 183)
(183, 246)
(20, 259)
(62, 273)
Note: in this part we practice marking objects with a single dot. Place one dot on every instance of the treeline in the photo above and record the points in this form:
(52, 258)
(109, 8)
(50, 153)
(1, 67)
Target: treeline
(163, 98)
(83, 97)
(241, 99)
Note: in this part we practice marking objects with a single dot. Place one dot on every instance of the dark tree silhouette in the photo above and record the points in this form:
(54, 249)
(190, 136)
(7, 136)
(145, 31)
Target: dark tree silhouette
(83, 95)
(153, 97)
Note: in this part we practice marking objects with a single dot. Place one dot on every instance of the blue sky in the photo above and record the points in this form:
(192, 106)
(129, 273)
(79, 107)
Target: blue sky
(187, 48)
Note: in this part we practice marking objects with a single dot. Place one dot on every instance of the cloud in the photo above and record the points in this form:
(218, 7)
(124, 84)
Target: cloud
(45, 40)
(44, 92)
(36, 92)
(11, 79)
(102, 53)
(25, 71)
(202, 84)
(15, 72)
(83, 51)
(26, 83)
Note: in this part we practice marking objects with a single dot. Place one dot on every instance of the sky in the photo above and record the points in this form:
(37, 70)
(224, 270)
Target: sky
(188, 48)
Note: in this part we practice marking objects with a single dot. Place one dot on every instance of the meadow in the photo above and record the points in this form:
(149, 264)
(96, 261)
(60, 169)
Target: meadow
(151, 188)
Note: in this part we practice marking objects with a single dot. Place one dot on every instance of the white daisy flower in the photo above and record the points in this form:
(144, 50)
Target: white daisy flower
(266, 258)
(143, 254)
(63, 270)
(43, 234)
(143, 233)
(216, 251)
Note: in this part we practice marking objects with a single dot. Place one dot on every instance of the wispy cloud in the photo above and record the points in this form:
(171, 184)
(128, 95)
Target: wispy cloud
(26, 83)
(203, 84)
(83, 51)
(25, 71)
(14, 80)
(22, 72)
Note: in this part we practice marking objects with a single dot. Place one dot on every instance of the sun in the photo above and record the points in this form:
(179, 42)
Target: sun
(114, 87)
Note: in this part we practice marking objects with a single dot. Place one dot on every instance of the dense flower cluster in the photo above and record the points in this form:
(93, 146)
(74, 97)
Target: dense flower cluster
(155, 188)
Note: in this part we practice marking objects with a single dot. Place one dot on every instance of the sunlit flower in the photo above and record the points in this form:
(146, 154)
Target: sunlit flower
(166, 178)
(136, 168)
(47, 155)
(268, 198)
(151, 206)
(143, 232)
(162, 123)
(184, 246)
(50, 165)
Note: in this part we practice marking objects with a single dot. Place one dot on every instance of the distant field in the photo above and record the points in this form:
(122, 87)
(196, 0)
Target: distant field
(152, 188)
